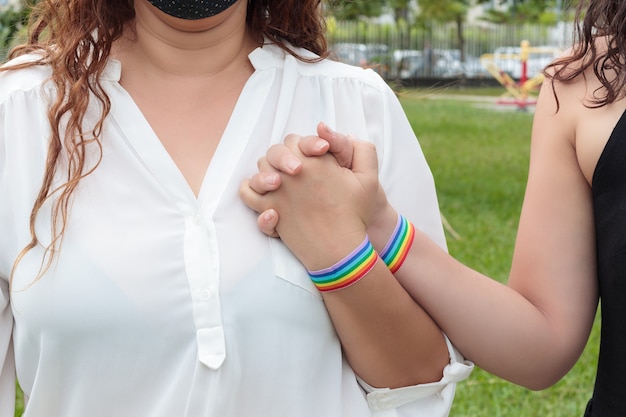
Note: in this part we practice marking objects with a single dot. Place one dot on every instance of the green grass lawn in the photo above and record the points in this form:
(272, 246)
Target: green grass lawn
(19, 406)
(479, 158)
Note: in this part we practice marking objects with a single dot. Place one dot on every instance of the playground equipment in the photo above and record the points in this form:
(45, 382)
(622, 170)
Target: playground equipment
(518, 92)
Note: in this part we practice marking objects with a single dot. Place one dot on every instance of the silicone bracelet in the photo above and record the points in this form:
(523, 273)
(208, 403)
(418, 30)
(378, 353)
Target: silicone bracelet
(348, 270)
(397, 248)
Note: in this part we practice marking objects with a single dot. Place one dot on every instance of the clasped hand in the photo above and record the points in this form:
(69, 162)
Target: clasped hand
(317, 193)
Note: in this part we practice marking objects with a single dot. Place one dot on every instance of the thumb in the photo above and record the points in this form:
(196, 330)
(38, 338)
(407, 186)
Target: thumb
(340, 145)
(364, 158)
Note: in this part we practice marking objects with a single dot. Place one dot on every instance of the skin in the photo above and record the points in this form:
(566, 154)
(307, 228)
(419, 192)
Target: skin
(379, 324)
(177, 71)
(532, 330)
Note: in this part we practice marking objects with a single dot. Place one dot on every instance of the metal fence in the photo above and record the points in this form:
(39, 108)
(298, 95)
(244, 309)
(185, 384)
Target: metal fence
(431, 52)
(436, 51)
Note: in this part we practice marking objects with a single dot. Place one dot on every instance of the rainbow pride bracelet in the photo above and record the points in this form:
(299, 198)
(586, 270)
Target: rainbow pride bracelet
(348, 270)
(397, 248)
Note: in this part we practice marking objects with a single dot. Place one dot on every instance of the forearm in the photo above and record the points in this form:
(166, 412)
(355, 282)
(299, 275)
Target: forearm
(387, 338)
(490, 323)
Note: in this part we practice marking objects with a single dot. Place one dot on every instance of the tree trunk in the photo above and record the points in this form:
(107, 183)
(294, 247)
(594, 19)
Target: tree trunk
(459, 36)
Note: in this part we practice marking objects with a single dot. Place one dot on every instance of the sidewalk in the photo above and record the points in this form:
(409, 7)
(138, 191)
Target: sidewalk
(500, 103)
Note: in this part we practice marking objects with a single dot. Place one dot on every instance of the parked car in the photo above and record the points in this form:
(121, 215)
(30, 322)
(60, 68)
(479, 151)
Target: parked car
(407, 63)
(509, 60)
(445, 63)
(410, 63)
(376, 56)
(473, 68)
(436, 63)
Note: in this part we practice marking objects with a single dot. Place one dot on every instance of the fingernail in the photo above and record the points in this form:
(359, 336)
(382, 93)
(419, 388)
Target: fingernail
(320, 145)
(271, 179)
(293, 164)
(268, 215)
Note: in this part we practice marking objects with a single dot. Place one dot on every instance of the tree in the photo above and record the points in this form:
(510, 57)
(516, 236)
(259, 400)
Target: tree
(401, 9)
(13, 17)
(448, 11)
(355, 9)
(525, 11)
(519, 11)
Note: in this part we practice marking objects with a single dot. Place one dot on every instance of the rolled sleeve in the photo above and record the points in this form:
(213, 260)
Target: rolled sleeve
(431, 399)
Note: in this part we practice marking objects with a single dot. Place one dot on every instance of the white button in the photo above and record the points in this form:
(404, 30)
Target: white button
(197, 220)
(205, 294)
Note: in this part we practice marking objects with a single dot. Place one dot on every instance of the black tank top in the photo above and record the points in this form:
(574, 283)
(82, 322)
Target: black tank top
(609, 207)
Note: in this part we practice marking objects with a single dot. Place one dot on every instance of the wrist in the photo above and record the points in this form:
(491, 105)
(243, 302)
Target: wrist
(397, 248)
(382, 226)
(331, 250)
(348, 270)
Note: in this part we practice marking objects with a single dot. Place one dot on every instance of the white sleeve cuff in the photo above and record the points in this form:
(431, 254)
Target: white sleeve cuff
(386, 398)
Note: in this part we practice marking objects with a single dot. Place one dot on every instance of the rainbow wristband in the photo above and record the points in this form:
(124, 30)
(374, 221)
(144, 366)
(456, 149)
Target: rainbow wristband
(396, 250)
(348, 270)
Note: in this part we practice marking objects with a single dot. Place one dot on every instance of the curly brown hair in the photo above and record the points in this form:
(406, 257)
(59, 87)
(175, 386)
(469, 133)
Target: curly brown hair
(597, 19)
(74, 38)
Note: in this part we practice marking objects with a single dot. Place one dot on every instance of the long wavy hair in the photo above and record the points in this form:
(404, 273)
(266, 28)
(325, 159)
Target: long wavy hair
(597, 19)
(74, 38)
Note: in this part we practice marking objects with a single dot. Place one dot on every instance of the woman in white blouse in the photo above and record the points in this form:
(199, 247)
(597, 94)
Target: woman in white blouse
(133, 279)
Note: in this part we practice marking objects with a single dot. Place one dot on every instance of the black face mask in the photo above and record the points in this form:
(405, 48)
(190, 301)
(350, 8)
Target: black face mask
(192, 9)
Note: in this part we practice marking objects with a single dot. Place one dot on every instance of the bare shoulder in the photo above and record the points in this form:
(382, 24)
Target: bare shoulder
(566, 111)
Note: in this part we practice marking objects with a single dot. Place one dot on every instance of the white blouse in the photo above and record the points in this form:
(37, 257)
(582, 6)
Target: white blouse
(164, 304)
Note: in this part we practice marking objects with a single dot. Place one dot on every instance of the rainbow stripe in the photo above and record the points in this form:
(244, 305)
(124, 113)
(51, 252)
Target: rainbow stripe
(397, 249)
(348, 270)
